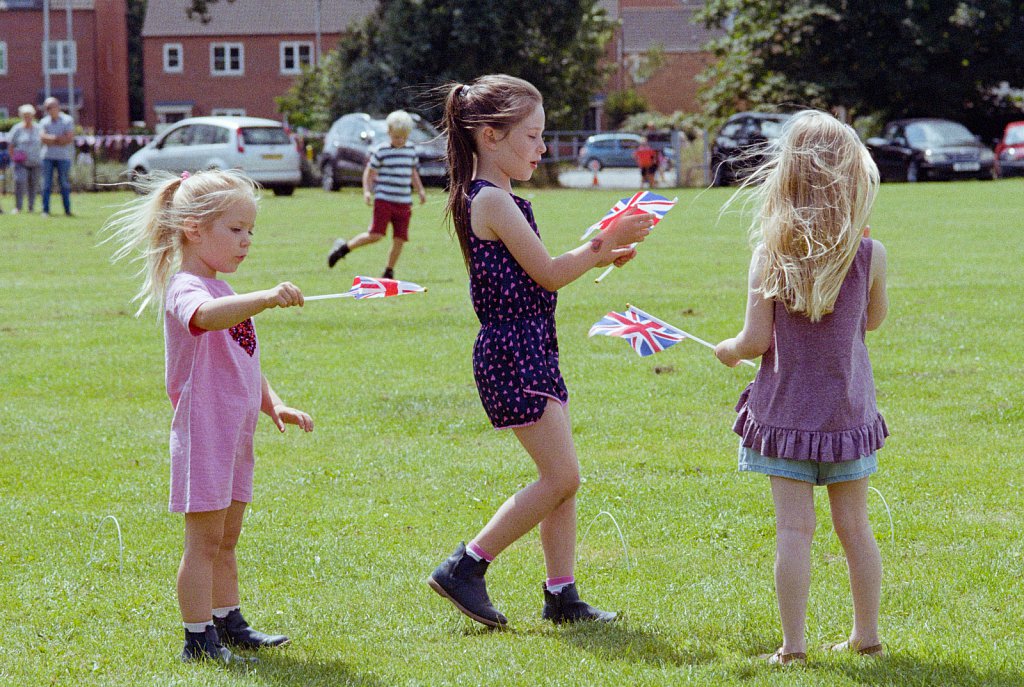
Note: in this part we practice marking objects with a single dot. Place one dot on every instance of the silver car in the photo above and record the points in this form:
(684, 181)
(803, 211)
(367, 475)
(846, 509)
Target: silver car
(261, 148)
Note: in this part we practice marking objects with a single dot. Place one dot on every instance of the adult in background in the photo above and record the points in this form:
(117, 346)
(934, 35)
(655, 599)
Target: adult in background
(25, 144)
(58, 151)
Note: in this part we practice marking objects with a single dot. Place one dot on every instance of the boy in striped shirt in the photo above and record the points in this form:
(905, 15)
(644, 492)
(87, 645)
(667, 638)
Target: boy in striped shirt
(388, 181)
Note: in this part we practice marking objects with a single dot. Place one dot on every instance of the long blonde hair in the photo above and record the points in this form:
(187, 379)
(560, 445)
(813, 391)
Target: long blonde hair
(812, 196)
(152, 227)
(496, 100)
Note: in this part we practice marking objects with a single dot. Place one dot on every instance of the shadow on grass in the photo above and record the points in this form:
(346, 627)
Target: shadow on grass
(907, 669)
(282, 669)
(620, 642)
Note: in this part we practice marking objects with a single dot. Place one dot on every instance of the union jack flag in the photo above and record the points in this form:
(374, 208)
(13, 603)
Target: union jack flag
(645, 334)
(368, 287)
(642, 201)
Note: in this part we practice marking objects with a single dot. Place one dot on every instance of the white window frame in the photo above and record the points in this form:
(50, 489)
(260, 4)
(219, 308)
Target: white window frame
(294, 47)
(64, 56)
(227, 47)
(3, 57)
(163, 110)
(180, 50)
(227, 112)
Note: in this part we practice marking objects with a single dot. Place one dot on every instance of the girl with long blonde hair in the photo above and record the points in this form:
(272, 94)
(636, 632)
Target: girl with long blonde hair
(816, 285)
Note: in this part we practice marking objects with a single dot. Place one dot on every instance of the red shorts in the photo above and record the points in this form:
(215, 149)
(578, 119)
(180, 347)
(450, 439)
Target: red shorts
(398, 214)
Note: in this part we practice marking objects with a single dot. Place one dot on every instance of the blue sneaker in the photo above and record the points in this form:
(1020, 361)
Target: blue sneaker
(460, 579)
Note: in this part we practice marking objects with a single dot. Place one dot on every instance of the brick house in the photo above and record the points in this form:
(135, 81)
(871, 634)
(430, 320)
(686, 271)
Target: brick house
(94, 58)
(249, 52)
(666, 25)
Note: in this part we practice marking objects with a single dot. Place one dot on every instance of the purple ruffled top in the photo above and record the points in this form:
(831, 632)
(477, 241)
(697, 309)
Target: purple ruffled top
(814, 394)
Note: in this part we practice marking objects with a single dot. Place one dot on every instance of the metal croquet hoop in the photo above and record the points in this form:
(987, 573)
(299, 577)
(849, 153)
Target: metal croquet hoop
(120, 542)
(625, 549)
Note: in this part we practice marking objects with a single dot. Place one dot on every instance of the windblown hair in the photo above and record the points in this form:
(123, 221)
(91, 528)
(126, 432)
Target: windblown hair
(152, 226)
(812, 195)
(495, 100)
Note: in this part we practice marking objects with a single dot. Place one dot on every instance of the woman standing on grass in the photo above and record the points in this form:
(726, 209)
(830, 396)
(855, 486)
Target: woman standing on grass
(26, 148)
(495, 131)
(188, 229)
(816, 285)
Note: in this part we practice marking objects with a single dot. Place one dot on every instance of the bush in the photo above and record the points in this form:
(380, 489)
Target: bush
(621, 104)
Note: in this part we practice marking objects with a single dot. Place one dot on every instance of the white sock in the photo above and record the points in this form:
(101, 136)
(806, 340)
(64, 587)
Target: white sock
(197, 628)
(223, 612)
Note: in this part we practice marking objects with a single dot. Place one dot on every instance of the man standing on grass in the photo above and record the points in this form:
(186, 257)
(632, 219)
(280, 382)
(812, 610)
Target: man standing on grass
(58, 137)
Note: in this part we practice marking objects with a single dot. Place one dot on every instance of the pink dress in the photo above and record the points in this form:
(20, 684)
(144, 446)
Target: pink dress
(215, 386)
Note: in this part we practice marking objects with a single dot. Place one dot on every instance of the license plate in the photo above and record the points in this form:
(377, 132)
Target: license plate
(272, 156)
(966, 166)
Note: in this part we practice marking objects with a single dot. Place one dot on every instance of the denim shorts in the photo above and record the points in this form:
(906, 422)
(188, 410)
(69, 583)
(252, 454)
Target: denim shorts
(809, 471)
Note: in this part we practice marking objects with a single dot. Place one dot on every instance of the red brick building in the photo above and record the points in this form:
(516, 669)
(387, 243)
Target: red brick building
(249, 52)
(95, 57)
(667, 27)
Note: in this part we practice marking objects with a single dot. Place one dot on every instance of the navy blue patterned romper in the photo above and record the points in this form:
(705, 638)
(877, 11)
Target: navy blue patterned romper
(515, 358)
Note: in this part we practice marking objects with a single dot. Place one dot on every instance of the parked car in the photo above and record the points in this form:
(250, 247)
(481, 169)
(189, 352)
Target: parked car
(615, 150)
(1010, 150)
(926, 148)
(734, 152)
(261, 148)
(350, 139)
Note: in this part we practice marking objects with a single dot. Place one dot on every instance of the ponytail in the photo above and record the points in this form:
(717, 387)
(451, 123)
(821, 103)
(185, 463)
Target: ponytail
(496, 100)
(460, 153)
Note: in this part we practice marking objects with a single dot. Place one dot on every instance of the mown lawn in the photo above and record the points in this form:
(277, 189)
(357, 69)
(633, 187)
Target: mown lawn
(348, 521)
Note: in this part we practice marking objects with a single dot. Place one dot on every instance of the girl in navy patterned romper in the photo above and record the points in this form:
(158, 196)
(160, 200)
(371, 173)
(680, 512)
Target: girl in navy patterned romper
(495, 126)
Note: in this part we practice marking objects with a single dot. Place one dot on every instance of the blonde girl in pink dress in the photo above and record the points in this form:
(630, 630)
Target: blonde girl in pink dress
(189, 229)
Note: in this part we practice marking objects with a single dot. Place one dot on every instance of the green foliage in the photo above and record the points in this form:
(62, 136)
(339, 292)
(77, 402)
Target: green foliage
(937, 58)
(407, 47)
(201, 9)
(687, 122)
(306, 103)
(348, 521)
(136, 84)
(6, 124)
(621, 104)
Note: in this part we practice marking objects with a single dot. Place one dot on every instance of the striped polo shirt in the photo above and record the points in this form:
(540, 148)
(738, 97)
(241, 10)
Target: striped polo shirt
(394, 172)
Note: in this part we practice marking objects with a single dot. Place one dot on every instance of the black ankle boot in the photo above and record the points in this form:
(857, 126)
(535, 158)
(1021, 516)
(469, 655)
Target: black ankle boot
(460, 579)
(206, 646)
(388, 273)
(339, 250)
(566, 607)
(236, 632)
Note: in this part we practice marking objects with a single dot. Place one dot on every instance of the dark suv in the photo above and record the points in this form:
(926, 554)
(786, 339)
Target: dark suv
(734, 151)
(348, 143)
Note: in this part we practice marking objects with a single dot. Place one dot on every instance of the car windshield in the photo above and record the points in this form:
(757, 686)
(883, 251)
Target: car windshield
(938, 133)
(771, 129)
(264, 135)
(1015, 135)
(422, 133)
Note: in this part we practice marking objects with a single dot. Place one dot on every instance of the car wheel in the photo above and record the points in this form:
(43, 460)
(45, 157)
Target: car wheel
(135, 177)
(283, 190)
(913, 172)
(718, 174)
(327, 181)
(593, 164)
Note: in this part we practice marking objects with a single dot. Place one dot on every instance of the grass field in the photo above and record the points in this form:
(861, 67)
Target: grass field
(348, 521)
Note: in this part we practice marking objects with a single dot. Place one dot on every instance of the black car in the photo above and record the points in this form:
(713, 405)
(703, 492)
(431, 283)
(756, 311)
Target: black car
(927, 148)
(734, 153)
(350, 139)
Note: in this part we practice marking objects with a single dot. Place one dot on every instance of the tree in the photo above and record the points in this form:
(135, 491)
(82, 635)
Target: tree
(136, 91)
(940, 58)
(200, 9)
(407, 47)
